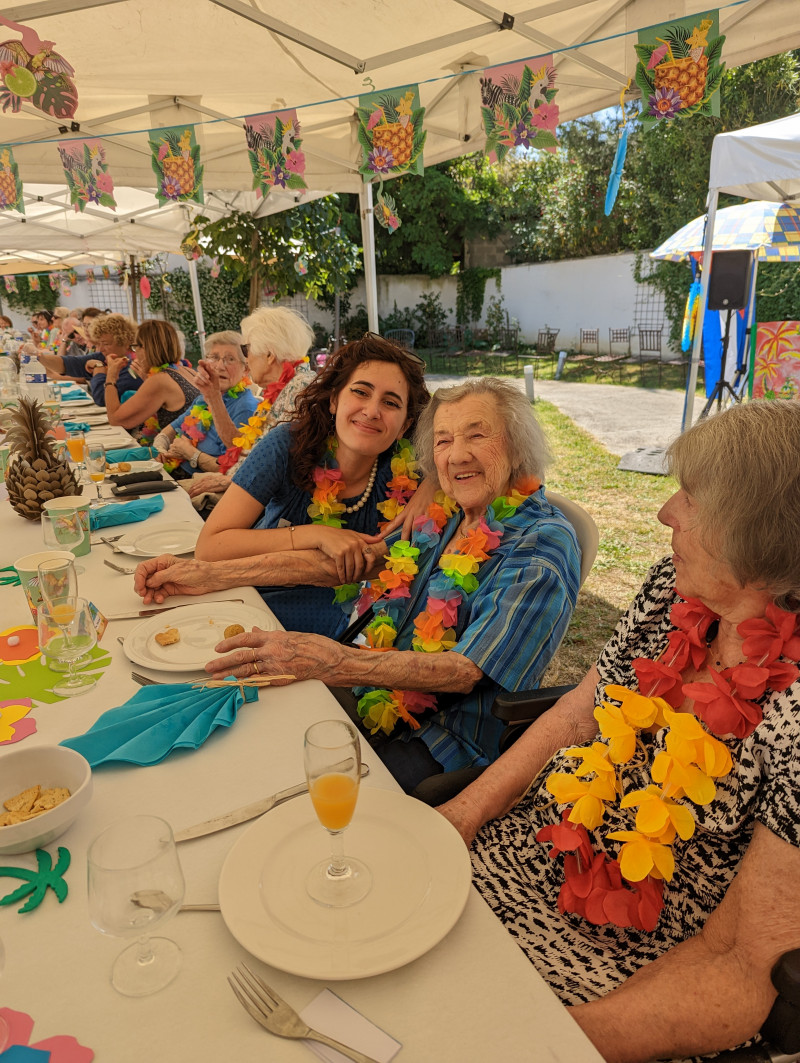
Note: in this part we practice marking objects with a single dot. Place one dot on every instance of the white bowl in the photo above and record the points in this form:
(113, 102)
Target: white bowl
(48, 766)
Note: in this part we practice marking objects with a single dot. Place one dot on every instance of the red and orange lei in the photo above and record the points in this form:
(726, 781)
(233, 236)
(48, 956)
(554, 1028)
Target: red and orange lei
(251, 432)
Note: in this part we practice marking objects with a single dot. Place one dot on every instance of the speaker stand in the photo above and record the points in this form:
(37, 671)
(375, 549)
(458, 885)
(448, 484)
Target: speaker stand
(722, 388)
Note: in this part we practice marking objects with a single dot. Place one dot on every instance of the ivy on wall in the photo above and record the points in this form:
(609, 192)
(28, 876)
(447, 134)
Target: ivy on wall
(470, 291)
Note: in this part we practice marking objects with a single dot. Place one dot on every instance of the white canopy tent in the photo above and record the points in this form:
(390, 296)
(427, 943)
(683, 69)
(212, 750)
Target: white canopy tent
(142, 64)
(762, 162)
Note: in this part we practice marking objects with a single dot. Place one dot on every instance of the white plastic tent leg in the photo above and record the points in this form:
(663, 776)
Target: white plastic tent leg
(691, 384)
(198, 309)
(368, 240)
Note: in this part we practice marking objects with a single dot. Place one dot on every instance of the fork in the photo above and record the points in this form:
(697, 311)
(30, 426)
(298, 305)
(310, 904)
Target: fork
(113, 544)
(145, 681)
(119, 568)
(264, 1005)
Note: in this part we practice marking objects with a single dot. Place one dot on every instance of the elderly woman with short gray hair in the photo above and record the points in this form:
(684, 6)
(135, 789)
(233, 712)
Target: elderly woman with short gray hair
(476, 603)
(195, 440)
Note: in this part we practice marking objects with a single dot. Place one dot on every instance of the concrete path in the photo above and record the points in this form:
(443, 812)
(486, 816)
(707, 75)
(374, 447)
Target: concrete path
(623, 419)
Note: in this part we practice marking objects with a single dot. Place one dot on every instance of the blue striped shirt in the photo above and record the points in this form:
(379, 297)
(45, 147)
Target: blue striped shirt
(510, 627)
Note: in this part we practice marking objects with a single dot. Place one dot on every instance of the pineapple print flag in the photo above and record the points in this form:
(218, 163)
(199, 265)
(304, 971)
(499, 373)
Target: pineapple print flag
(33, 282)
(10, 184)
(106, 273)
(392, 138)
(90, 277)
(55, 281)
(11, 283)
(273, 146)
(87, 175)
(176, 163)
(680, 69)
(517, 107)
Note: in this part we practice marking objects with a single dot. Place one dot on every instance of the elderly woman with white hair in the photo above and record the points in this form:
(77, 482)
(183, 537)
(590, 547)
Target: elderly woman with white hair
(477, 602)
(275, 343)
(197, 438)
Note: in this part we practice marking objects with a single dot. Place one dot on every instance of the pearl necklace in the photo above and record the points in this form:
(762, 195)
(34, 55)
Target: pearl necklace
(367, 491)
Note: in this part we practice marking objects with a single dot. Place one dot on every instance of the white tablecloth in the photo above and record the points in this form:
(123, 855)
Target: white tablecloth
(472, 997)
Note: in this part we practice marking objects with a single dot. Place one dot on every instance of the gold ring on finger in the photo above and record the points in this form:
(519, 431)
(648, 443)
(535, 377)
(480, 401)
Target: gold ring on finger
(255, 666)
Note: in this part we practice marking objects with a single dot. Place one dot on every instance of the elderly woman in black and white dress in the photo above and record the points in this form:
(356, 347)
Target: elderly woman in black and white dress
(641, 840)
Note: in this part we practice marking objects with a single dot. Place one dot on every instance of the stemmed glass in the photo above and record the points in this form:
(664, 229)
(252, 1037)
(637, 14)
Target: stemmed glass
(134, 855)
(58, 578)
(332, 758)
(76, 445)
(95, 458)
(62, 530)
(67, 632)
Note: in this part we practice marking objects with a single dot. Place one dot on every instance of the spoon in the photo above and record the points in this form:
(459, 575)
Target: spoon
(158, 901)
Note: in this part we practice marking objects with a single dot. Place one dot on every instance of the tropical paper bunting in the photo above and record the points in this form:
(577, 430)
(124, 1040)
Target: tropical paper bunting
(680, 69)
(11, 283)
(33, 282)
(273, 147)
(10, 184)
(32, 72)
(517, 107)
(87, 175)
(392, 139)
(176, 163)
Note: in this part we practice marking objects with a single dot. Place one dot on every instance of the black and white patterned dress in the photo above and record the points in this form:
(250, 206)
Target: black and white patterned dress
(579, 960)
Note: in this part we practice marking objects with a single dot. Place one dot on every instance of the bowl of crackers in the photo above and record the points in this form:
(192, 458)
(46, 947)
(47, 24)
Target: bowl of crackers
(43, 790)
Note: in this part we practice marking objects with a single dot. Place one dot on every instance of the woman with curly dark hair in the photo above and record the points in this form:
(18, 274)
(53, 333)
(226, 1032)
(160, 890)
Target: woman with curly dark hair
(326, 480)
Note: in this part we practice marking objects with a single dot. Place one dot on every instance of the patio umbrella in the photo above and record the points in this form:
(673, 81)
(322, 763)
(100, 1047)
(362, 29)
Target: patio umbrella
(772, 230)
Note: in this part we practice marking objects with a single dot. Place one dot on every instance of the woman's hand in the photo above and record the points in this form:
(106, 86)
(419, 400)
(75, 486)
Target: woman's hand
(463, 817)
(417, 506)
(207, 379)
(162, 577)
(351, 552)
(215, 482)
(299, 655)
(181, 448)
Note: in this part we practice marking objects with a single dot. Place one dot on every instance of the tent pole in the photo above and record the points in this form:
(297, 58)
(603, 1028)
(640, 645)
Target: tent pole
(691, 385)
(368, 240)
(198, 309)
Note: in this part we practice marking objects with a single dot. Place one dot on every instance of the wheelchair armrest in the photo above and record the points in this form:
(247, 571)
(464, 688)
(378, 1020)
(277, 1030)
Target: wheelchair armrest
(782, 1027)
(525, 706)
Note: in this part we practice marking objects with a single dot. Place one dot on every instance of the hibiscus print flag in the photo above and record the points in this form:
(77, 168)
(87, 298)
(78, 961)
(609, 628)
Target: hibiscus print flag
(274, 146)
(87, 175)
(518, 108)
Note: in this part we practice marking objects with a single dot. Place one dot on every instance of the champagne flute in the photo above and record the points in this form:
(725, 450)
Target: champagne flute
(62, 530)
(76, 445)
(96, 465)
(67, 632)
(332, 758)
(135, 854)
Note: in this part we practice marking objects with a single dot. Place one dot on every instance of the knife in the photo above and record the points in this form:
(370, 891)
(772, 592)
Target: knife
(137, 613)
(241, 815)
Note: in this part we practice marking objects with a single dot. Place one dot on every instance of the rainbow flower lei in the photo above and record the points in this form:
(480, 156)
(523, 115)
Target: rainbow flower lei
(434, 626)
(151, 427)
(326, 508)
(199, 419)
(691, 759)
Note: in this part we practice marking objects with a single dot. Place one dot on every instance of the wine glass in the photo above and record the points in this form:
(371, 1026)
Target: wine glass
(332, 758)
(58, 578)
(67, 632)
(96, 465)
(131, 857)
(76, 445)
(62, 530)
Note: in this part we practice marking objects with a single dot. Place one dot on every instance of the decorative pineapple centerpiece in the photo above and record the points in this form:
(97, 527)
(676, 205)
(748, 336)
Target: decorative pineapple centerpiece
(35, 474)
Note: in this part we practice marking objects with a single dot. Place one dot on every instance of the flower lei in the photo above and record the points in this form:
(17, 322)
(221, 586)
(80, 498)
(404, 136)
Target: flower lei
(329, 486)
(251, 432)
(199, 419)
(434, 626)
(151, 427)
(691, 759)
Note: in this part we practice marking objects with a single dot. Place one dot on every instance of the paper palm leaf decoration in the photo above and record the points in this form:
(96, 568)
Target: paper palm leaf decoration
(157, 720)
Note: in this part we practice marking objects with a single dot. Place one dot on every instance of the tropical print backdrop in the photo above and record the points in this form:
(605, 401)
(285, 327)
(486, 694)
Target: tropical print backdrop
(776, 370)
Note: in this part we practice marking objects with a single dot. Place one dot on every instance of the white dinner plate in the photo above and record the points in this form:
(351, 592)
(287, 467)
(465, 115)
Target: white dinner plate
(150, 465)
(201, 627)
(163, 539)
(421, 876)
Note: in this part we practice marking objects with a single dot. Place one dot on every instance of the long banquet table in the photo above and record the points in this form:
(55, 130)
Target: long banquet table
(474, 996)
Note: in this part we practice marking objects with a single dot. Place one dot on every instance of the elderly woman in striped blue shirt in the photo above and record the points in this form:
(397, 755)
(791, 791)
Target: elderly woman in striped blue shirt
(476, 603)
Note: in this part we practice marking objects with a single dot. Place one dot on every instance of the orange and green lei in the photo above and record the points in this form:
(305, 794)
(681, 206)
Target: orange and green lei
(199, 419)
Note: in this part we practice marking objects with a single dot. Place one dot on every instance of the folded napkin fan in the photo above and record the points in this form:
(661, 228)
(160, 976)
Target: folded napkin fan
(158, 719)
(127, 513)
(129, 454)
(77, 426)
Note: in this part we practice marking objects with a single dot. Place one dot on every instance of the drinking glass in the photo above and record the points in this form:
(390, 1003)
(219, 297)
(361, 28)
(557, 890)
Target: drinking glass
(67, 632)
(62, 531)
(76, 445)
(58, 578)
(96, 465)
(134, 855)
(332, 758)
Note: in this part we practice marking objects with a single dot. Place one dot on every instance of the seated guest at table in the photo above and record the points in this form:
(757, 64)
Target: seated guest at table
(196, 439)
(649, 864)
(75, 358)
(491, 577)
(276, 341)
(6, 322)
(166, 389)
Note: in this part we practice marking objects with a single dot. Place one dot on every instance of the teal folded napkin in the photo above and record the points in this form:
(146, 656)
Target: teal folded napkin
(77, 426)
(129, 454)
(157, 720)
(72, 394)
(125, 513)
